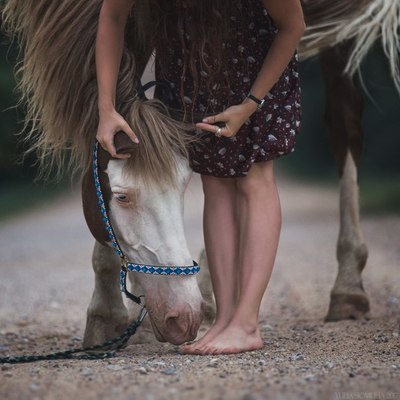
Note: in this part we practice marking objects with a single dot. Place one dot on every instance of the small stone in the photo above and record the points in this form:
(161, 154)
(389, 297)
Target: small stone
(351, 375)
(87, 372)
(267, 327)
(213, 362)
(142, 371)
(380, 339)
(114, 367)
(160, 363)
(329, 365)
(296, 357)
(261, 362)
(394, 366)
(8, 374)
(169, 371)
(309, 377)
(395, 334)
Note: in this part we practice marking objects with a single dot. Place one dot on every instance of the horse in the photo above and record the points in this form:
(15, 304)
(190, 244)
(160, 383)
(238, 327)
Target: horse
(143, 195)
(58, 86)
(341, 33)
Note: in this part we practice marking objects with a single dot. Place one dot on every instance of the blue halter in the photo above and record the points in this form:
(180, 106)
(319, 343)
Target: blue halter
(125, 264)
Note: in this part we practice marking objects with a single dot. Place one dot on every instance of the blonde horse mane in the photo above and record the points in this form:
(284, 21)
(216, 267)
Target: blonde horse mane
(330, 22)
(57, 84)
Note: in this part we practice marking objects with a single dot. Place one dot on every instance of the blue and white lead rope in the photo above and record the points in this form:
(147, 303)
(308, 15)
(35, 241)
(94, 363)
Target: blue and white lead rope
(126, 265)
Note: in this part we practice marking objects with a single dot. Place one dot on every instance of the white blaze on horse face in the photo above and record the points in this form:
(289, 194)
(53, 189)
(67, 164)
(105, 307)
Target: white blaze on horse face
(148, 223)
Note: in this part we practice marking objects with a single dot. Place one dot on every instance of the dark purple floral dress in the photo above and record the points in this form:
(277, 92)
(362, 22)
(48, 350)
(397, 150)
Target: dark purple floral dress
(270, 132)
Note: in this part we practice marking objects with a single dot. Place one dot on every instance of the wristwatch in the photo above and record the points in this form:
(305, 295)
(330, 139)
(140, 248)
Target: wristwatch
(260, 102)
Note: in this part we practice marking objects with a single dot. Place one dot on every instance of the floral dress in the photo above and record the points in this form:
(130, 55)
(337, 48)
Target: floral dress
(271, 131)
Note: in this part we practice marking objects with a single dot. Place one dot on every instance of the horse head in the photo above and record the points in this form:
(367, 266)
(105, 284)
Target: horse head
(144, 199)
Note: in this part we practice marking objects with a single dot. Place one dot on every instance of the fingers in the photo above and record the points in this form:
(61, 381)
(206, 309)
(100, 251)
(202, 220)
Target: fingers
(217, 130)
(127, 129)
(106, 132)
(221, 117)
(207, 125)
(107, 143)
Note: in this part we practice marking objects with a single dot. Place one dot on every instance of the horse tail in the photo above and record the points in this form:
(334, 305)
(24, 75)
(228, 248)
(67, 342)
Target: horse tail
(56, 76)
(365, 21)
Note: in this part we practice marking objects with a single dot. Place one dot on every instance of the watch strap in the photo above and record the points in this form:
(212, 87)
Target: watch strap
(260, 102)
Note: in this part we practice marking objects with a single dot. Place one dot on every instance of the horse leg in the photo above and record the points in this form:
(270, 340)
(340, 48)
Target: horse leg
(206, 290)
(107, 316)
(343, 116)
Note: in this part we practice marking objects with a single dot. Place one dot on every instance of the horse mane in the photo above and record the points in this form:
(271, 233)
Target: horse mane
(56, 78)
(330, 22)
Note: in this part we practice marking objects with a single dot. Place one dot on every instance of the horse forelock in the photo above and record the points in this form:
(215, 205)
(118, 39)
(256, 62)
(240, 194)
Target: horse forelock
(163, 141)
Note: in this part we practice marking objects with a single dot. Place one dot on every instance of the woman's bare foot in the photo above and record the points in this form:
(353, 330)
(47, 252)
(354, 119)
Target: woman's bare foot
(233, 339)
(194, 348)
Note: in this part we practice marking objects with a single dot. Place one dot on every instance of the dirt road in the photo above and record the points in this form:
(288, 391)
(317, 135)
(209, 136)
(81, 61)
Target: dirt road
(46, 283)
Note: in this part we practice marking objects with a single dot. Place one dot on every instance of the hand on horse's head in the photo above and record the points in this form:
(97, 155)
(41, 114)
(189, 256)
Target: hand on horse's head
(115, 135)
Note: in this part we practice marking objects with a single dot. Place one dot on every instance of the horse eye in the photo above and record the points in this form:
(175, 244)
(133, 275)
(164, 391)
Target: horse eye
(122, 197)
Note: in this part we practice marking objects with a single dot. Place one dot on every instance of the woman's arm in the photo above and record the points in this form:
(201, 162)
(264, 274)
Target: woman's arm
(288, 18)
(109, 47)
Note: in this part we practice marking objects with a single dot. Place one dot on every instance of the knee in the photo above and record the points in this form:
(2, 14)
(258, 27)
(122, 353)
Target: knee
(216, 185)
(257, 181)
(104, 261)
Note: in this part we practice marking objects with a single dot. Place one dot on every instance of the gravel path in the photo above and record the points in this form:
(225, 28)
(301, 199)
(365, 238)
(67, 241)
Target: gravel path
(46, 283)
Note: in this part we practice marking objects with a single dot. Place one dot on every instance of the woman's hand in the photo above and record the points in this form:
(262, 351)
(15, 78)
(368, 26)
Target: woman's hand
(110, 123)
(234, 117)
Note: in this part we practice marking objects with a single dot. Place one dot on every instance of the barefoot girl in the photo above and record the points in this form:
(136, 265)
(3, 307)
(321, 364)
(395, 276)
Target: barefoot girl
(234, 62)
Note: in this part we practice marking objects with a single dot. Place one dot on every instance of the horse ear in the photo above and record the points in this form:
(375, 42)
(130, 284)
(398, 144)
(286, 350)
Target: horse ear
(123, 143)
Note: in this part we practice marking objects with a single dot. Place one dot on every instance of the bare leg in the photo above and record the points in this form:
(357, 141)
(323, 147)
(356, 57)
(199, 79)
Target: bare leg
(221, 238)
(260, 224)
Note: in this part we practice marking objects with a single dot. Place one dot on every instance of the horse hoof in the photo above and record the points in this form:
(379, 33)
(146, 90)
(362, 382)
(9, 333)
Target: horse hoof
(348, 306)
(98, 330)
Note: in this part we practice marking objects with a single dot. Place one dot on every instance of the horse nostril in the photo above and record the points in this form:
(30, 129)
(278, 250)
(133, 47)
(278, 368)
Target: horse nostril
(176, 325)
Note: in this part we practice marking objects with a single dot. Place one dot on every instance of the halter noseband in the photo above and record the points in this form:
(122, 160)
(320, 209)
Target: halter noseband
(125, 264)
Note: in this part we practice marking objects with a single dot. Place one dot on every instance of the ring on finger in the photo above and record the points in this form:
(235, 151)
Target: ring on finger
(218, 132)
